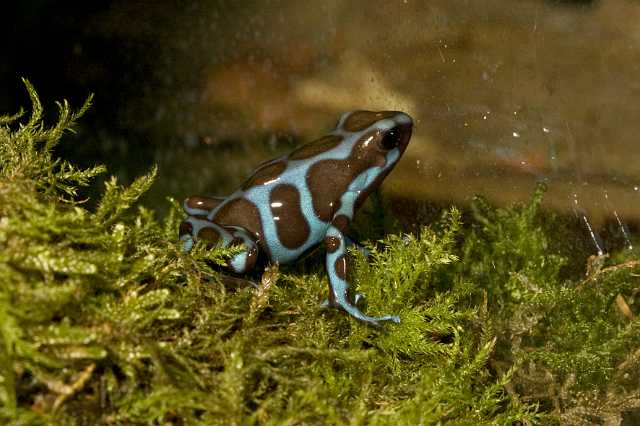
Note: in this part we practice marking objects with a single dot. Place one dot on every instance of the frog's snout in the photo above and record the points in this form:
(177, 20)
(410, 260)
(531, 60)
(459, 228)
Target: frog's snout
(403, 119)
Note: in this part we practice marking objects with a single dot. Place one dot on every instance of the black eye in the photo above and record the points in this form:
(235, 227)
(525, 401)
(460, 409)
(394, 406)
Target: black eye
(390, 140)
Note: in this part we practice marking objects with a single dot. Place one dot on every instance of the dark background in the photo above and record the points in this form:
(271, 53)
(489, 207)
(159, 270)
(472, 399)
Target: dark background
(64, 51)
(68, 52)
(159, 69)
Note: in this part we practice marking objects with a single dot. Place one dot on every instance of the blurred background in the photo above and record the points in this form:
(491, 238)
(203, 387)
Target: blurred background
(504, 93)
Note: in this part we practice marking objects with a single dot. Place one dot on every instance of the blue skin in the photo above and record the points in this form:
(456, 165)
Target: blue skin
(330, 178)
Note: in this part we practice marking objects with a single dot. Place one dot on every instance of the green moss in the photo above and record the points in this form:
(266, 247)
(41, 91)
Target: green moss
(572, 337)
(103, 319)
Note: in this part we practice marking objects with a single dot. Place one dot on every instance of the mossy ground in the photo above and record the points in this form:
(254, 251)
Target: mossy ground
(103, 319)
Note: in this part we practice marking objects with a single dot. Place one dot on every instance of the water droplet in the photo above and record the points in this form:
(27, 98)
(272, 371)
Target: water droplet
(594, 236)
(624, 229)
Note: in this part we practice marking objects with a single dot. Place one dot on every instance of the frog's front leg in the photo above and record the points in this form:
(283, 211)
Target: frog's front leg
(336, 261)
(193, 229)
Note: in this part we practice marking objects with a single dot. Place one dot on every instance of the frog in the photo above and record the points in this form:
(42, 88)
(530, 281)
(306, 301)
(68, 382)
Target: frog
(297, 201)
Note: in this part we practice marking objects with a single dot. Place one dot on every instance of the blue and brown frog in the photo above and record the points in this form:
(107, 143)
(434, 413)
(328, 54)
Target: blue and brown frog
(292, 203)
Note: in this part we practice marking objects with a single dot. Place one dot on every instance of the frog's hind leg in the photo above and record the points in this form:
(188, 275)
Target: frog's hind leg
(336, 261)
(194, 228)
(198, 205)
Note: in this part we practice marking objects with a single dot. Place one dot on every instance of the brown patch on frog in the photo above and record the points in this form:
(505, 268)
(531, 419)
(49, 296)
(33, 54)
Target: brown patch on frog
(327, 181)
(242, 213)
(366, 150)
(185, 228)
(341, 222)
(202, 203)
(266, 173)
(340, 267)
(210, 235)
(319, 146)
(293, 229)
(360, 120)
(364, 194)
(332, 244)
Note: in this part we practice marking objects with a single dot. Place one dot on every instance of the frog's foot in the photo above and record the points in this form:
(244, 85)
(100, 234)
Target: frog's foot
(393, 318)
(336, 264)
(187, 242)
(360, 300)
(358, 314)
(387, 318)
(374, 321)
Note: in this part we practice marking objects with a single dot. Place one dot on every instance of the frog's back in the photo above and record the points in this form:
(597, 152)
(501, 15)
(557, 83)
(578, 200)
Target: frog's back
(288, 203)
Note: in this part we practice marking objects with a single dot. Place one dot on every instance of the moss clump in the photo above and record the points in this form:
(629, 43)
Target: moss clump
(103, 319)
(577, 340)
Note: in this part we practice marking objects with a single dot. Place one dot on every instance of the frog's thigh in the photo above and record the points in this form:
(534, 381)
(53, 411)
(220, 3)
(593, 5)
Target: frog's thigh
(198, 205)
(193, 229)
(245, 260)
(336, 261)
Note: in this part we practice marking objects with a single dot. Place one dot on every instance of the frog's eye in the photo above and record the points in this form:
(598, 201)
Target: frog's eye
(390, 139)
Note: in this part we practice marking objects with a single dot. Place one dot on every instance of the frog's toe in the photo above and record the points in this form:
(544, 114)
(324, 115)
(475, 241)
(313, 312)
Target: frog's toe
(391, 318)
(377, 321)
(360, 300)
(187, 242)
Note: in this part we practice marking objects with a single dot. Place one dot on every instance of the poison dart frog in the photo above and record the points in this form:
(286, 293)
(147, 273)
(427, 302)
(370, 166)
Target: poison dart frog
(294, 202)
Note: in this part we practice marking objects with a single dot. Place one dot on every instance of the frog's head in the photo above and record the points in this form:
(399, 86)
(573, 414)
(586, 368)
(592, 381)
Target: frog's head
(376, 140)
